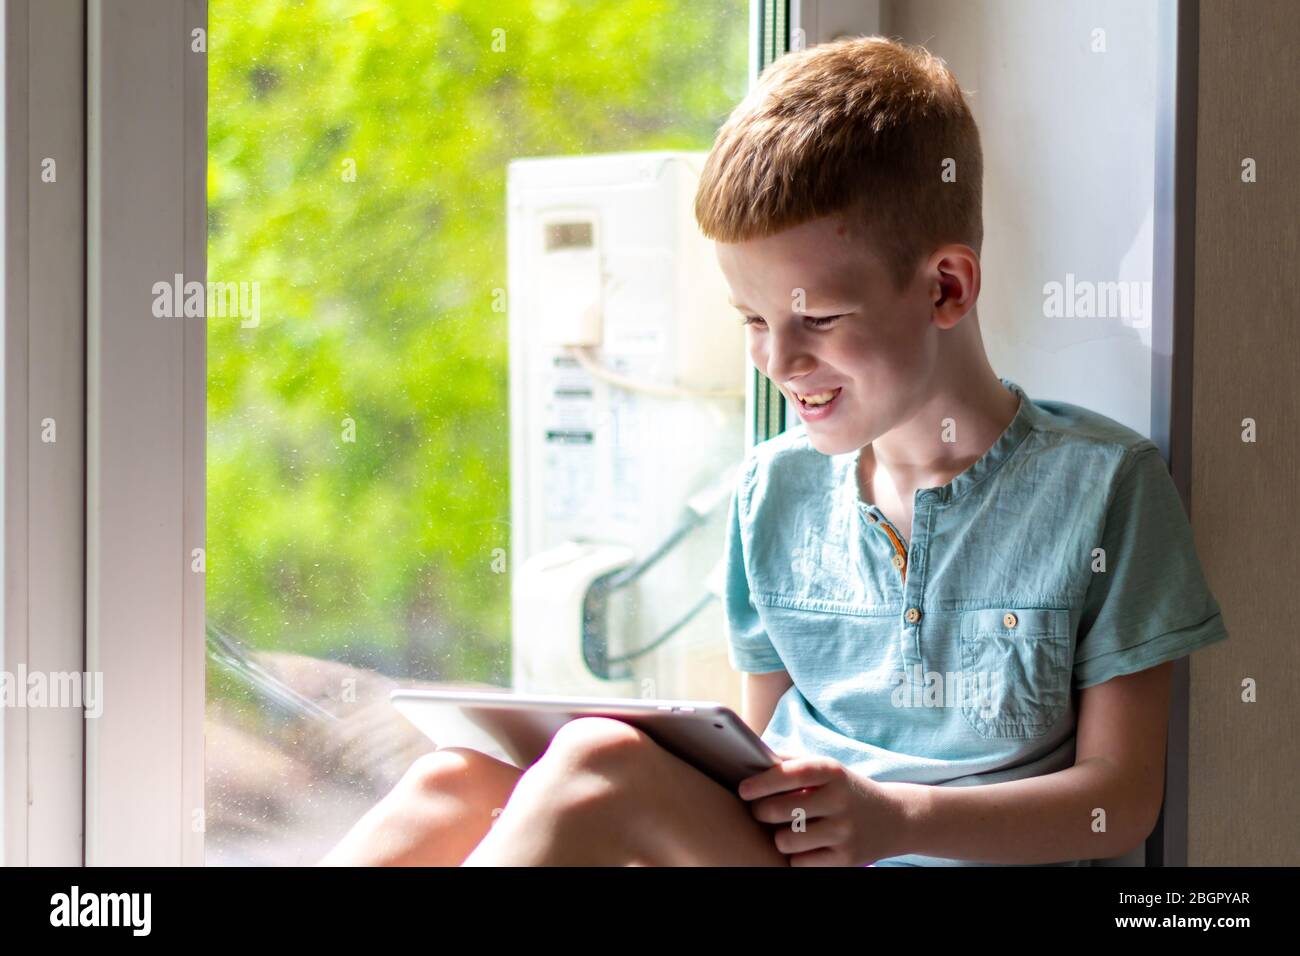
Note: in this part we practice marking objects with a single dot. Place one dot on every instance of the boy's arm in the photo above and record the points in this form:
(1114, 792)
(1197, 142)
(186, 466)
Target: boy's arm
(1149, 605)
(759, 694)
(1118, 767)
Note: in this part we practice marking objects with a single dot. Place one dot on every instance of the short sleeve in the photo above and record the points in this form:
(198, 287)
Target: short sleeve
(1151, 604)
(748, 646)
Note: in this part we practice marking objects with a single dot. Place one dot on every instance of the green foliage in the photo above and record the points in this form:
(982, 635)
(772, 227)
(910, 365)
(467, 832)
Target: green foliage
(376, 294)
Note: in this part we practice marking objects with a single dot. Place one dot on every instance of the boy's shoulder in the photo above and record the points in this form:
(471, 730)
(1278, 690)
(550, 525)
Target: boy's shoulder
(780, 471)
(1058, 428)
(1074, 442)
(1067, 422)
(791, 445)
(791, 455)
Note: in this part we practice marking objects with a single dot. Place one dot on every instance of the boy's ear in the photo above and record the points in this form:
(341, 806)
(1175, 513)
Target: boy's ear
(954, 285)
(948, 288)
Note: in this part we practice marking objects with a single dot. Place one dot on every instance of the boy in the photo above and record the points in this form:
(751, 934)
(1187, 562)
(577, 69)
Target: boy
(937, 563)
(955, 608)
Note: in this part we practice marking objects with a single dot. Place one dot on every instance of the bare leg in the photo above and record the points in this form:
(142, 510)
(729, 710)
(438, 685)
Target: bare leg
(435, 815)
(604, 793)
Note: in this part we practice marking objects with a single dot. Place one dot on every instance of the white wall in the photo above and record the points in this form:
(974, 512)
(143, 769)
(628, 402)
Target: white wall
(1069, 159)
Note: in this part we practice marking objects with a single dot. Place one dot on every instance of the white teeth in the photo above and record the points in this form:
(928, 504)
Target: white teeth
(819, 399)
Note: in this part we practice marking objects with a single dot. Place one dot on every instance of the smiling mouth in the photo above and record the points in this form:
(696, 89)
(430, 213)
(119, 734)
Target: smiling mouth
(818, 399)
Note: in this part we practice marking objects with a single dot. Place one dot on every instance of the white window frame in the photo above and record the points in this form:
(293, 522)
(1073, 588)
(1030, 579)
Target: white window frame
(101, 522)
(42, 230)
(146, 401)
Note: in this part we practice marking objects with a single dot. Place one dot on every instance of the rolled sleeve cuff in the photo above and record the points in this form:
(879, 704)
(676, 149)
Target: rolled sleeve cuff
(754, 662)
(1156, 650)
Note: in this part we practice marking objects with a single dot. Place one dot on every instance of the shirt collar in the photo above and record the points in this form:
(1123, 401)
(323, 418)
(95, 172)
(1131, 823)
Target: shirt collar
(1001, 449)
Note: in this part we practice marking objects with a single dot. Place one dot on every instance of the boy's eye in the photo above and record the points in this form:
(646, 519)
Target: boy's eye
(818, 322)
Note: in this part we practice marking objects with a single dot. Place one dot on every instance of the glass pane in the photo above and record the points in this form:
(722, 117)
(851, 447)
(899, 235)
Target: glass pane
(395, 429)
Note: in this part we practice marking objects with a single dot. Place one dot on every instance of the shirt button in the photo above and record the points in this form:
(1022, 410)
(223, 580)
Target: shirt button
(898, 561)
(1009, 619)
(872, 518)
(913, 615)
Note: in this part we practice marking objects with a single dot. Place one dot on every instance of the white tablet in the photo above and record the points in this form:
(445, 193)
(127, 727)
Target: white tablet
(517, 728)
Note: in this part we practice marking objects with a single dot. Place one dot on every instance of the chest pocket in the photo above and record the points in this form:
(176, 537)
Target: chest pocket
(1016, 665)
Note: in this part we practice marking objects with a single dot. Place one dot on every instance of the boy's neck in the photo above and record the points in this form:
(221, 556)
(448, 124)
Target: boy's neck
(915, 455)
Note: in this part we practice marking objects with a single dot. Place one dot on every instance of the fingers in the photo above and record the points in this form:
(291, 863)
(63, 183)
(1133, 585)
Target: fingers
(790, 774)
(795, 806)
(817, 835)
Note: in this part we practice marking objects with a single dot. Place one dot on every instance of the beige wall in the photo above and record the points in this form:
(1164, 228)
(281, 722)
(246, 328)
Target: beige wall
(1245, 758)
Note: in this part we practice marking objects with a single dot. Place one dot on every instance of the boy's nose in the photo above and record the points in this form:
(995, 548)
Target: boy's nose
(787, 359)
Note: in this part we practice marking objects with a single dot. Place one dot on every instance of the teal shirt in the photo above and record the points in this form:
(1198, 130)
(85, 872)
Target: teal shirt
(954, 660)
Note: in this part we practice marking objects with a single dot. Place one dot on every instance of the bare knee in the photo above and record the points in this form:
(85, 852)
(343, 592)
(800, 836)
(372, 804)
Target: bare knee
(454, 771)
(585, 768)
(458, 781)
(597, 740)
(603, 750)
(604, 778)
(440, 807)
(588, 773)
(573, 804)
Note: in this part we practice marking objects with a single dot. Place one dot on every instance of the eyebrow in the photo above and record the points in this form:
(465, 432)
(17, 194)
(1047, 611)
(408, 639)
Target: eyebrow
(828, 308)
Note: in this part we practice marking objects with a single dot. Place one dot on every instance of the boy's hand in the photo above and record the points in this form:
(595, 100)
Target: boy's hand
(831, 816)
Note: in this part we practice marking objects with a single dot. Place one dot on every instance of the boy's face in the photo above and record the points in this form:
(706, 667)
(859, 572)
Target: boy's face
(829, 320)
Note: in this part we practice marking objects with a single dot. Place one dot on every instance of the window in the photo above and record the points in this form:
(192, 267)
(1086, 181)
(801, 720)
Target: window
(359, 444)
